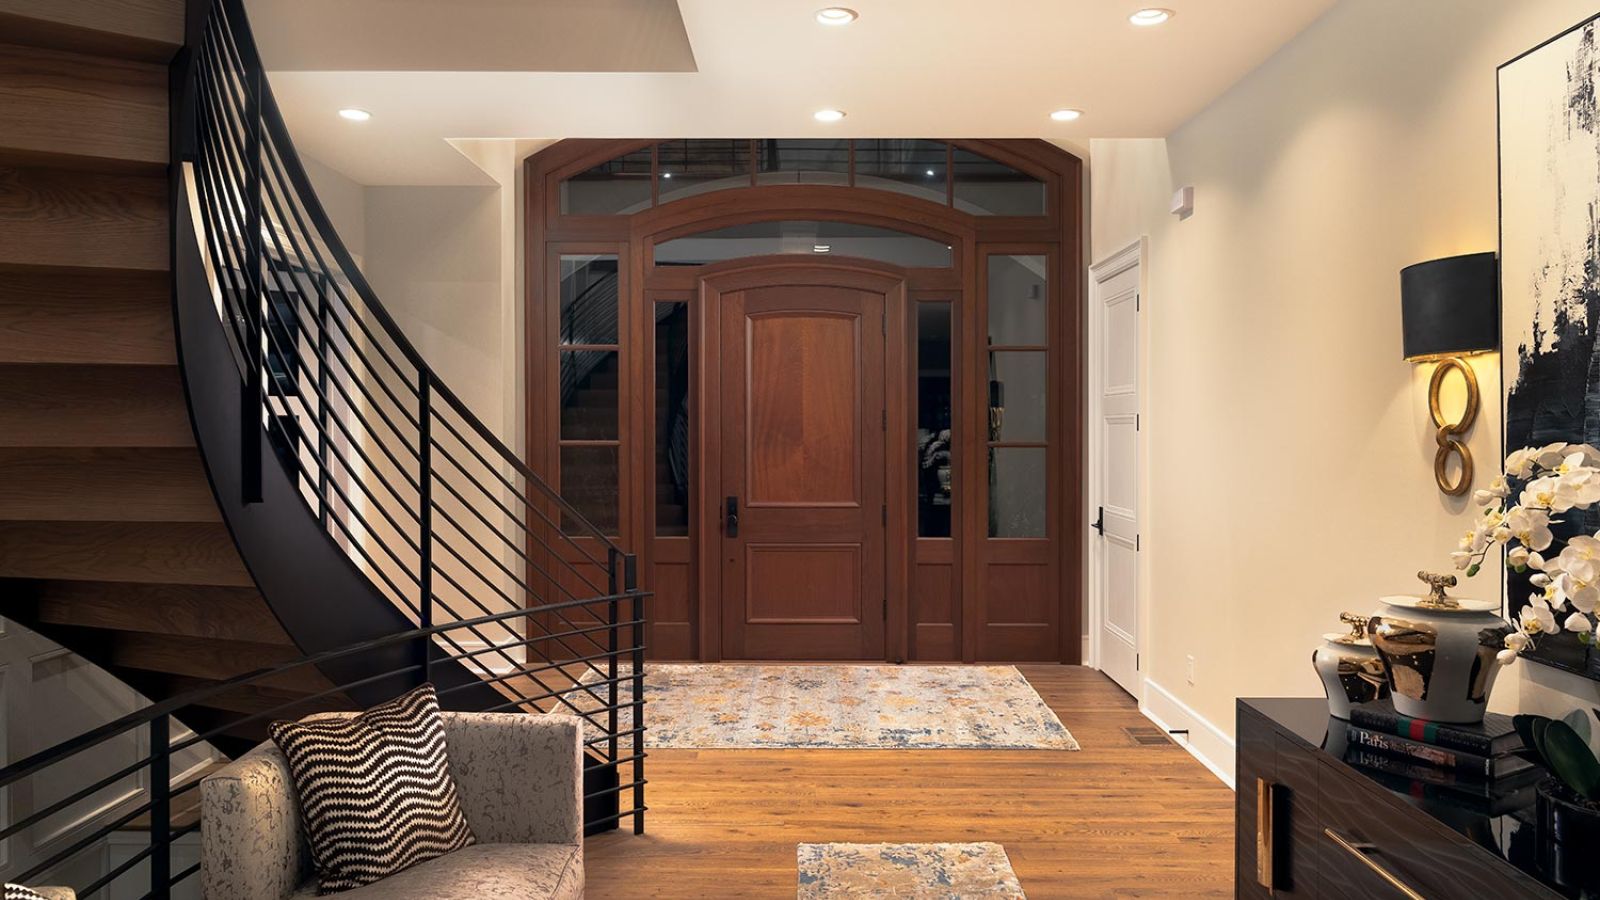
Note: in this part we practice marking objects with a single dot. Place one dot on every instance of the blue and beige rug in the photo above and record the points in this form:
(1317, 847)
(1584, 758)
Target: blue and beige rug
(919, 871)
(855, 707)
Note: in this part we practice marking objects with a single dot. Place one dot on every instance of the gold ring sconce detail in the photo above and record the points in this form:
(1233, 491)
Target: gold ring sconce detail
(1449, 433)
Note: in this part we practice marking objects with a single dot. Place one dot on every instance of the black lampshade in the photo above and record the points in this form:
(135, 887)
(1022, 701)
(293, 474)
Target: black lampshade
(1450, 306)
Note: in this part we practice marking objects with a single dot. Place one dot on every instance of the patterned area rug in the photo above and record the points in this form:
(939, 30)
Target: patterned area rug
(859, 707)
(920, 871)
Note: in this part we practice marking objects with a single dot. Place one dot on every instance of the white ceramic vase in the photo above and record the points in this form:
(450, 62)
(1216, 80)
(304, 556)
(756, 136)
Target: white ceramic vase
(1439, 654)
(1349, 666)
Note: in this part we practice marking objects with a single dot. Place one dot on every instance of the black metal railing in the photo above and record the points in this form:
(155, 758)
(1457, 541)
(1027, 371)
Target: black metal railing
(394, 663)
(515, 600)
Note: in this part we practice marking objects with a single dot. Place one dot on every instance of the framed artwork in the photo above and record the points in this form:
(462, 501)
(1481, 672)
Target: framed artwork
(1549, 138)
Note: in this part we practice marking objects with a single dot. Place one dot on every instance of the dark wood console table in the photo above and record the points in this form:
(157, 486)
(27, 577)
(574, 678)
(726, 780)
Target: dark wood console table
(1311, 824)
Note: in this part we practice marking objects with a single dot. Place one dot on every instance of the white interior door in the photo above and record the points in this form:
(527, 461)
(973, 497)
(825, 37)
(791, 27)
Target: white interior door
(1114, 541)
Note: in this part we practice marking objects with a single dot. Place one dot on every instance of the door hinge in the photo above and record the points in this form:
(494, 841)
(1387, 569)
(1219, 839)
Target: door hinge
(1136, 299)
(1136, 662)
(1136, 543)
(1135, 421)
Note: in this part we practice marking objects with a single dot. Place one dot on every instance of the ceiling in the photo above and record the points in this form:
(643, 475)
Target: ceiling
(544, 69)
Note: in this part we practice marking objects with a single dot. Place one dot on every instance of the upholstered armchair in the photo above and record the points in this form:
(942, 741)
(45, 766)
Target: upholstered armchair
(520, 778)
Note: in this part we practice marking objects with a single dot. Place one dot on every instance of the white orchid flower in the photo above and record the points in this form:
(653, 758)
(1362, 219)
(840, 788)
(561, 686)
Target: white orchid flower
(1539, 579)
(1517, 556)
(1551, 455)
(1520, 463)
(1506, 657)
(1517, 641)
(1577, 622)
(1531, 527)
(1461, 559)
(1537, 617)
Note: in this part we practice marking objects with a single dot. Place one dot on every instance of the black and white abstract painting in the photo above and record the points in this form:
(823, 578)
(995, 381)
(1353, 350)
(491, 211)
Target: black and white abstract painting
(1550, 270)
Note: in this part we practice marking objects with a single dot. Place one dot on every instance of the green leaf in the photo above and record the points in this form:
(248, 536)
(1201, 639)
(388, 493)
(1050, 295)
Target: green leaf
(1571, 760)
(1578, 721)
(1531, 728)
(1472, 570)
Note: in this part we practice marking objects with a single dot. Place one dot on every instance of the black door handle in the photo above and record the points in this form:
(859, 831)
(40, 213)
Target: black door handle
(733, 517)
(1099, 523)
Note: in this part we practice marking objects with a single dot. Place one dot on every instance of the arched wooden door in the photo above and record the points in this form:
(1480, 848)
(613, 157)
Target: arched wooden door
(803, 472)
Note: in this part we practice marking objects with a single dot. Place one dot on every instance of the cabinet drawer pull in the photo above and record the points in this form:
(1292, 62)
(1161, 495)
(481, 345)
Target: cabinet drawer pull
(1265, 791)
(1360, 852)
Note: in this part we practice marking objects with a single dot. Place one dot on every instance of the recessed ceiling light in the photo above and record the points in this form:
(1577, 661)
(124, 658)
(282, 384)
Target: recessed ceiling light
(828, 115)
(354, 114)
(666, 174)
(1066, 115)
(820, 248)
(1150, 16)
(836, 15)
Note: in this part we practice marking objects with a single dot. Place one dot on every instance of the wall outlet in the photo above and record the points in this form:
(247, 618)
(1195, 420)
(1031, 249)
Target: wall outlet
(1189, 673)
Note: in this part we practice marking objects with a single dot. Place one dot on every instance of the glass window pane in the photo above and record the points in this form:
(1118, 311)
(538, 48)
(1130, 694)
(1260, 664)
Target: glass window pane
(696, 167)
(987, 188)
(589, 395)
(589, 483)
(672, 418)
(1017, 388)
(802, 162)
(804, 237)
(1017, 492)
(1019, 304)
(589, 299)
(616, 187)
(933, 419)
(907, 167)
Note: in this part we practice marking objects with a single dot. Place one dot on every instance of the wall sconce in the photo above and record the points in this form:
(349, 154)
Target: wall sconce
(1449, 309)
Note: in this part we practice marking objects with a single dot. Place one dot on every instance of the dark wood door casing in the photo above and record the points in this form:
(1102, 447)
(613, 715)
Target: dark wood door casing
(950, 615)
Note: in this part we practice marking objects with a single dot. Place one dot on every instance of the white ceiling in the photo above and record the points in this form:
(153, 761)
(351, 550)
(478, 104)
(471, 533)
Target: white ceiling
(907, 68)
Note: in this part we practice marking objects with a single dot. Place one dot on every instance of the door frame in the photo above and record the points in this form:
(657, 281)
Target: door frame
(1134, 255)
(899, 440)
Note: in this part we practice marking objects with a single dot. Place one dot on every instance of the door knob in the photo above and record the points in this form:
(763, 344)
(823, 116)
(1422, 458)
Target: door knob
(732, 521)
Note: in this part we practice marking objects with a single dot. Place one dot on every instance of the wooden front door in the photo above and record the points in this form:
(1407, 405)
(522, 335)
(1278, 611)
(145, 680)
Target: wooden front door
(803, 420)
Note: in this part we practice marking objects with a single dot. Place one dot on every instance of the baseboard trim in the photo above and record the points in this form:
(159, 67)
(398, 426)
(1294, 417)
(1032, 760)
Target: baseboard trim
(1205, 741)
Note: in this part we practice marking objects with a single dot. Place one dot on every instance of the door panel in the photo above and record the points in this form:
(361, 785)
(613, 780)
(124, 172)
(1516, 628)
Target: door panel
(802, 414)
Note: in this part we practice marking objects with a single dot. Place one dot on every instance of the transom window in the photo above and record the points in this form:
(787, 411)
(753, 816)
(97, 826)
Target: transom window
(935, 171)
(806, 238)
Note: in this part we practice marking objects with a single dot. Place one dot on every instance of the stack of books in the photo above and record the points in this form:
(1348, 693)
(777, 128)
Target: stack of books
(1477, 765)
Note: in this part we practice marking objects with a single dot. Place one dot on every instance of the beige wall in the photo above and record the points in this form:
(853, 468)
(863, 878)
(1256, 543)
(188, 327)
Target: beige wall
(1288, 447)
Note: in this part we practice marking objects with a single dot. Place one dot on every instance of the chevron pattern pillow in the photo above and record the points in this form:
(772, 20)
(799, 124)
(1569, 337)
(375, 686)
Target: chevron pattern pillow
(18, 892)
(375, 789)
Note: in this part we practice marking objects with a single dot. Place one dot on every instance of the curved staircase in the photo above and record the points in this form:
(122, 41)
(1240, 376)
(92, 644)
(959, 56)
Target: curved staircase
(111, 542)
(226, 477)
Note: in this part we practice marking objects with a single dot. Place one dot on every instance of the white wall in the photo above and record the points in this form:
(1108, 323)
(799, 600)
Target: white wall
(1289, 448)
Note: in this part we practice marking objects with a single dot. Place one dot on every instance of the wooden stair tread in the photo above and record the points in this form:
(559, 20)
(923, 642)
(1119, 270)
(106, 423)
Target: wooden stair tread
(105, 484)
(80, 219)
(52, 315)
(93, 406)
(251, 699)
(199, 611)
(145, 552)
(72, 109)
(212, 659)
(149, 30)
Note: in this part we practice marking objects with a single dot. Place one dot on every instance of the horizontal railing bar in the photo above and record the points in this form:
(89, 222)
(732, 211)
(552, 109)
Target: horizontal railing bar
(34, 762)
(438, 475)
(618, 789)
(594, 823)
(612, 735)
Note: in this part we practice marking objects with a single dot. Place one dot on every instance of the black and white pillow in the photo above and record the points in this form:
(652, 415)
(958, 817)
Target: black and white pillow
(375, 789)
(18, 892)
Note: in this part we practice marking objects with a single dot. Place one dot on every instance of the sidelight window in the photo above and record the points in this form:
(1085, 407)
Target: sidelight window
(672, 418)
(934, 467)
(1018, 414)
(589, 387)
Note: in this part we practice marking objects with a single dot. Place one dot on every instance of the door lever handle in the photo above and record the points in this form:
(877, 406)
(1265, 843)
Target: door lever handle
(732, 519)
(1099, 523)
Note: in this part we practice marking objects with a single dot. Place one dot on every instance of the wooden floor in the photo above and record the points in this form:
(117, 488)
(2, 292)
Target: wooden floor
(1114, 819)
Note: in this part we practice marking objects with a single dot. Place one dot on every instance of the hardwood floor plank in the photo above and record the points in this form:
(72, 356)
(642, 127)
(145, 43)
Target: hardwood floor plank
(1114, 819)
